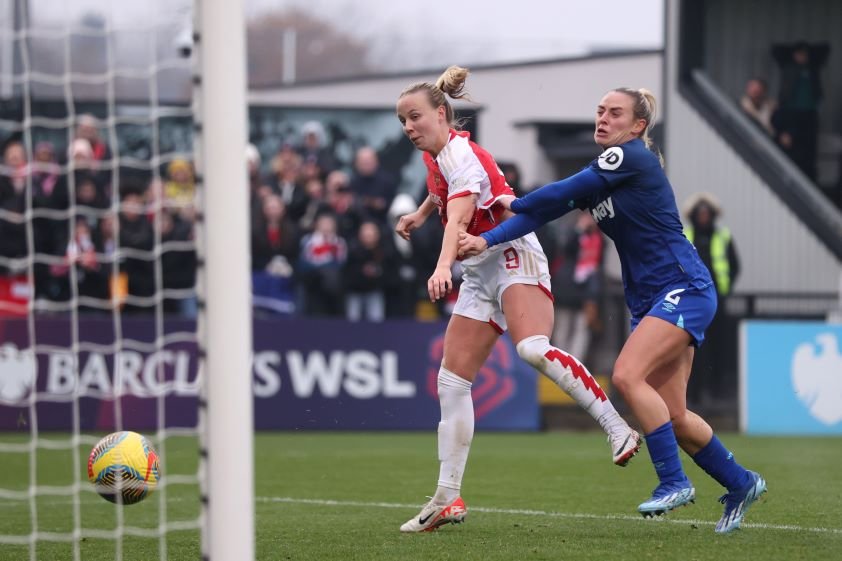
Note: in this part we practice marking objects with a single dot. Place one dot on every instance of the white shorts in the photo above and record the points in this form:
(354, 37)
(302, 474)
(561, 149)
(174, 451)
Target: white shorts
(485, 277)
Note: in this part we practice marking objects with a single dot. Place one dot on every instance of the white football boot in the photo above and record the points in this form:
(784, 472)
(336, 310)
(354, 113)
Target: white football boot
(432, 516)
(624, 445)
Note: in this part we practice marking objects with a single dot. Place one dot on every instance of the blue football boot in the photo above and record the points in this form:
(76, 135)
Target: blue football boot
(737, 503)
(668, 496)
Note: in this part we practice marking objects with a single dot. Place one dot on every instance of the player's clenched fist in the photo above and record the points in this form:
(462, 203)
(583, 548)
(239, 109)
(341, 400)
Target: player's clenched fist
(409, 222)
(440, 284)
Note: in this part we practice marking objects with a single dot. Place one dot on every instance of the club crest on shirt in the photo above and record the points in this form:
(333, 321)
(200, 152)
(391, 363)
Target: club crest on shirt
(611, 158)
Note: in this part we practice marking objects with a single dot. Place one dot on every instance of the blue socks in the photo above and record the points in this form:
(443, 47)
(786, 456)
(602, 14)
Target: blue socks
(663, 449)
(714, 459)
(719, 463)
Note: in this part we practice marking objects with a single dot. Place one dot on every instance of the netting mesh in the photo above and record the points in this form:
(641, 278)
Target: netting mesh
(97, 276)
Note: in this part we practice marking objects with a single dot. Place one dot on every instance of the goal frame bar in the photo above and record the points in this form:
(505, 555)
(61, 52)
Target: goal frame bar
(225, 331)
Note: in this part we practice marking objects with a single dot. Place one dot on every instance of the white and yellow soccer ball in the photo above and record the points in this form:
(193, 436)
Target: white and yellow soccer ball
(123, 467)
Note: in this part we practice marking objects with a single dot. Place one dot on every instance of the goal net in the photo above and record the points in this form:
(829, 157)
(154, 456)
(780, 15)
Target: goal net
(124, 291)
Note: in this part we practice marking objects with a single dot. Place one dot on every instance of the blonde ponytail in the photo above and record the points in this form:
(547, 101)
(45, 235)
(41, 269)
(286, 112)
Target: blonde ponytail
(644, 107)
(452, 83)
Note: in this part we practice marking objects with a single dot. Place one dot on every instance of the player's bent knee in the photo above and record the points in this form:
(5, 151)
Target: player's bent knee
(622, 380)
(532, 350)
(627, 375)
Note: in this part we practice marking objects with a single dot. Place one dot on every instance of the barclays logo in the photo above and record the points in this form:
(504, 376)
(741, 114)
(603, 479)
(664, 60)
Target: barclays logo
(17, 374)
(816, 372)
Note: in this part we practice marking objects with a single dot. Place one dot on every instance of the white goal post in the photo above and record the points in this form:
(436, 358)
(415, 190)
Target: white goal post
(225, 333)
(95, 110)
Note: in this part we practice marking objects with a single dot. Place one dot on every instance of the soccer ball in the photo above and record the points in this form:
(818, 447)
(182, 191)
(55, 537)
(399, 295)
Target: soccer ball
(123, 467)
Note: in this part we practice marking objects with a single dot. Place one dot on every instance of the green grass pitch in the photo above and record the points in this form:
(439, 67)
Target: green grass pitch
(546, 496)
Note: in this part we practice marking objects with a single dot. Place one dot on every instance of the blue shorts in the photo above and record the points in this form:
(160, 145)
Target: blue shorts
(686, 306)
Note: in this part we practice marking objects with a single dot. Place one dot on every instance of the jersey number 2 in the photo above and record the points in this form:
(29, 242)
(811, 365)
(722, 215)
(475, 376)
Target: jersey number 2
(512, 258)
(673, 296)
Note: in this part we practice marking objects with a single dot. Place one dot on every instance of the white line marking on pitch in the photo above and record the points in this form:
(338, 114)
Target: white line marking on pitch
(550, 514)
(522, 512)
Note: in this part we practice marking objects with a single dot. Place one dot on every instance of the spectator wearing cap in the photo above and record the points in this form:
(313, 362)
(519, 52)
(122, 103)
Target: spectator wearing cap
(717, 250)
(259, 187)
(180, 186)
(402, 298)
(313, 149)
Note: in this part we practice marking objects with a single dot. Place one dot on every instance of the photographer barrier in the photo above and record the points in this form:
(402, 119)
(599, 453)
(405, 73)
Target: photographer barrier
(307, 374)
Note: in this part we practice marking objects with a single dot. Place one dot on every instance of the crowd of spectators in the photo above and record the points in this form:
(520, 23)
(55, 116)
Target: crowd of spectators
(322, 235)
(322, 230)
(322, 240)
(87, 239)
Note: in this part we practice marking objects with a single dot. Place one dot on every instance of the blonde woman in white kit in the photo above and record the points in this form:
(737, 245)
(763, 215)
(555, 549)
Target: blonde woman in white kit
(505, 288)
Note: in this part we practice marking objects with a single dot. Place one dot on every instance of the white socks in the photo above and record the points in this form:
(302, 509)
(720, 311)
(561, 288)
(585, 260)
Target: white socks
(456, 430)
(571, 376)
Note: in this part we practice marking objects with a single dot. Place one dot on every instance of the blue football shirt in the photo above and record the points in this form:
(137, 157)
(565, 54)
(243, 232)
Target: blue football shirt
(637, 210)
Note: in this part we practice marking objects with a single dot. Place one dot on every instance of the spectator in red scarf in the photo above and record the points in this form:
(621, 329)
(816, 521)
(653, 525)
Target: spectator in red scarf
(323, 253)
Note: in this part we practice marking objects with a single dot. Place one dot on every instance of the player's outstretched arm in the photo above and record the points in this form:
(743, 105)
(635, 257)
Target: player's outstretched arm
(536, 209)
(557, 198)
(515, 227)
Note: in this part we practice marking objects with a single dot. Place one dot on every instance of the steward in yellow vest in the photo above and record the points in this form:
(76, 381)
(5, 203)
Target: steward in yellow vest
(714, 243)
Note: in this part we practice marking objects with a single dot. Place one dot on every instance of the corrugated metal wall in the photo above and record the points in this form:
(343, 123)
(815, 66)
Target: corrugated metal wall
(778, 253)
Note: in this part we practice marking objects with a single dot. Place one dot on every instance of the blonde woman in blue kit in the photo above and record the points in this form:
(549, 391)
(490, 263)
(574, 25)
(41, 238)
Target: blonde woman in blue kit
(669, 292)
